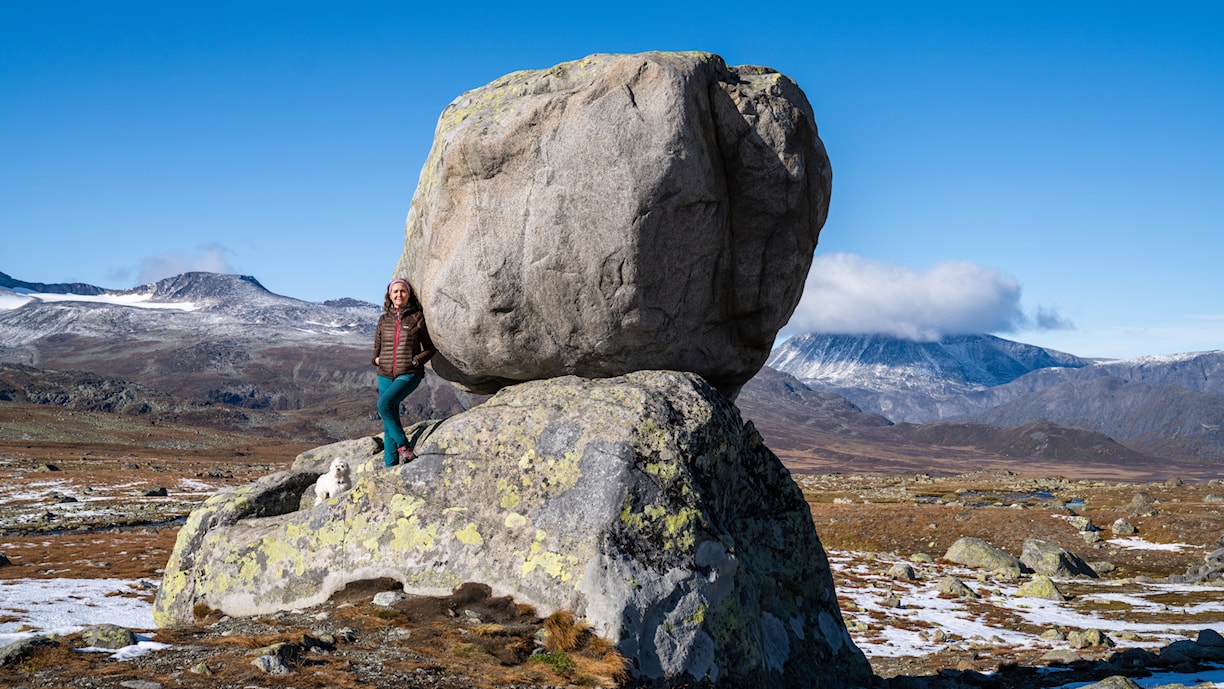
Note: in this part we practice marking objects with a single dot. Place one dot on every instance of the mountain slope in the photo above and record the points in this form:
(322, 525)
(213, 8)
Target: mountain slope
(1165, 406)
(217, 339)
(953, 365)
(1032, 439)
(85, 391)
(907, 381)
(19, 286)
(789, 412)
(821, 432)
(1165, 420)
(225, 304)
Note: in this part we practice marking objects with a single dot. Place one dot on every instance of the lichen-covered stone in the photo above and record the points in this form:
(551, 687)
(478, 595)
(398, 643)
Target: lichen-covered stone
(1081, 523)
(1088, 638)
(1142, 504)
(1041, 586)
(1052, 560)
(902, 572)
(951, 586)
(974, 552)
(386, 599)
(1114, 682)
(617, 213)
(1065, 656)
(107, 636)
(272, 665)
(642, 503)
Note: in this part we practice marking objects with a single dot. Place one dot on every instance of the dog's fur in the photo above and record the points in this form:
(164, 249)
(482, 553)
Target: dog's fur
(334, 482)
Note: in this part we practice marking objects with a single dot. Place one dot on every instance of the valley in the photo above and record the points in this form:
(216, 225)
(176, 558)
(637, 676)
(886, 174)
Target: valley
(106, 507)
(116, 421)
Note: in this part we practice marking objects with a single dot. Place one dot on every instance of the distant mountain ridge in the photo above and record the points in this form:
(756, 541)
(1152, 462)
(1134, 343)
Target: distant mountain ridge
(208, 339)
(10, 283)
(1164, 406)
(953, 365)
(224, 342)
(223, 304)
(820, 431)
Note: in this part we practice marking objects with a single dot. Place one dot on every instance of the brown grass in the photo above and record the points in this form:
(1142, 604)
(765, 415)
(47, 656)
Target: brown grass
(481, 656)
(118, 554)
(564, 632)
(498, 647)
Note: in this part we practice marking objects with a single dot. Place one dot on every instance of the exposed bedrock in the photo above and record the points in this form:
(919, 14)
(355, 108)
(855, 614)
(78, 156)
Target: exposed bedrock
(643, 503)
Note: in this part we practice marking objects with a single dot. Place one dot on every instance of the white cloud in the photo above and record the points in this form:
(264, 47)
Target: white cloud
(1050, 319)
(848, 294)
(211, 258)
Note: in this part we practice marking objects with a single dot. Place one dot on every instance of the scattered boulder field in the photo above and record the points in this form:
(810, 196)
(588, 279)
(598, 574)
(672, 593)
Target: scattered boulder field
(1138, 617)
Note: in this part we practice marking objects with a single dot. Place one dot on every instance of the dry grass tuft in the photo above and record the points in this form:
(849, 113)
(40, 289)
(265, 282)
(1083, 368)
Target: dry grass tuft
(608, 669)
(565, 633)
(204, 614)
(576, 654)
(491, 630)
(59, 657)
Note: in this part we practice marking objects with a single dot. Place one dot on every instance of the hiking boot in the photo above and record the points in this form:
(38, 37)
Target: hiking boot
(405, 455)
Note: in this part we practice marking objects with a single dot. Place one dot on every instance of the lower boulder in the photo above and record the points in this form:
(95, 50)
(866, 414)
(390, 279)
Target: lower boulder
(641, 503)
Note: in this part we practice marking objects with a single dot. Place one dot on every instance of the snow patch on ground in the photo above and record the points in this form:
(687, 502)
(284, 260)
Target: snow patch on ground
(885, 631)
(1207, 678)
(142, 301)
(143, 645)
(65, 606)
(1140, 544)
(10, 300)
(196, 486)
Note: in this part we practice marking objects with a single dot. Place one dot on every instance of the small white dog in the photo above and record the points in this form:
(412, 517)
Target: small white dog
(334, 482)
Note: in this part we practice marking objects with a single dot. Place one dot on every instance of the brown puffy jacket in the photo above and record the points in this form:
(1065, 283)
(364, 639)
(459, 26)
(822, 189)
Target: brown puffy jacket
(401, 343)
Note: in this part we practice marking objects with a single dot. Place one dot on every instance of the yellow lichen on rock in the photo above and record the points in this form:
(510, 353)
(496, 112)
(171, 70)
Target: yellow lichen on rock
(509, 494)
(469, 535)
(560, 566)
(634, 500)
(408, 533)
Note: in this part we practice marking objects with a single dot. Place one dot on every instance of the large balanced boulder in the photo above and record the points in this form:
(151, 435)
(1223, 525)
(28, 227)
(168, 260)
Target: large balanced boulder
(613, 214)
(642, 503)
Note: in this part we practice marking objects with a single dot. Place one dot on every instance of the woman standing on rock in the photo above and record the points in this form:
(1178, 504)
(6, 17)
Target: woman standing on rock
(401, 348)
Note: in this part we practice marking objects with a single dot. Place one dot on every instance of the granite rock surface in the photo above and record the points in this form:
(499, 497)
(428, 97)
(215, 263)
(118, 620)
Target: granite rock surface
(642, 503)
(617, 213)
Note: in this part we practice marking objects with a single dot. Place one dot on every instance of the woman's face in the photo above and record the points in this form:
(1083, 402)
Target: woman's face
(399, 295)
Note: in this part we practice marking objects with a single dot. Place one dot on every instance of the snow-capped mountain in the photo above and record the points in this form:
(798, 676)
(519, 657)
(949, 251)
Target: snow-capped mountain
(882, 363)
(1162, 405)
(199, 301)
(225, 340)
(206, 338)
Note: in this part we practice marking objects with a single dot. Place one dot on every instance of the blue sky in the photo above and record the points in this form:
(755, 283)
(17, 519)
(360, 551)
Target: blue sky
(1049, 172)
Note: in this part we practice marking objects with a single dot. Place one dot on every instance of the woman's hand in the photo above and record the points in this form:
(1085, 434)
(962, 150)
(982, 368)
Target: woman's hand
(376, 361)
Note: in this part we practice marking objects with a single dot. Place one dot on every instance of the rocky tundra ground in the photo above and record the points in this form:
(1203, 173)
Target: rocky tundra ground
(106, 504)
